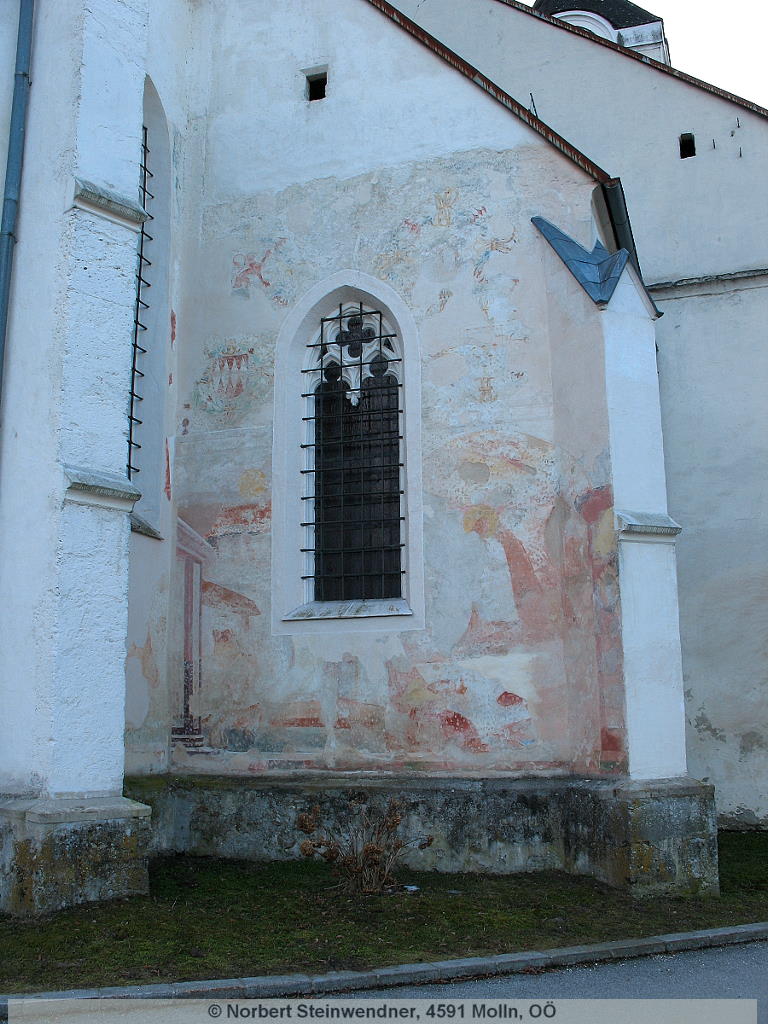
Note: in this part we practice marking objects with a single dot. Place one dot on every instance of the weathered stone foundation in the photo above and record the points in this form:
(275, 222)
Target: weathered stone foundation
(57, 853)
(648, 837)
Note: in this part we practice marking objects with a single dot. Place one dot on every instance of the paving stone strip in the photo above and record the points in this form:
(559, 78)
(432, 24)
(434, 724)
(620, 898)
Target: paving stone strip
(277, 986)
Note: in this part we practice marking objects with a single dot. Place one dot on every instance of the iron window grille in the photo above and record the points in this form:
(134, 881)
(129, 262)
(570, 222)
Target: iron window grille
(141, 305)
(353, 459)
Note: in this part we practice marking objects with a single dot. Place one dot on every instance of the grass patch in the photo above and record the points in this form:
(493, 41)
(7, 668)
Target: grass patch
(208, 918)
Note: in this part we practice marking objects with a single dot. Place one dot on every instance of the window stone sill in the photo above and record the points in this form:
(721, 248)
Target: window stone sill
(359, 609)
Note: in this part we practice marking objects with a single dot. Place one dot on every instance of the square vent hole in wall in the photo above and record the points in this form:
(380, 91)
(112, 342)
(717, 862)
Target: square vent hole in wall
(317, 83)
(687, 145)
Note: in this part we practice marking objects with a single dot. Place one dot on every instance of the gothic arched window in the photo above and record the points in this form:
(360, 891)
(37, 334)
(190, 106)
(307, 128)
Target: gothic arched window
(354, 461)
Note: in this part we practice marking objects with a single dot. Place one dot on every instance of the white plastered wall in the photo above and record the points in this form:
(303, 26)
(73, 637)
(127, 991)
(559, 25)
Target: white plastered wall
(64, 552)
(647, 569)
(721, 498)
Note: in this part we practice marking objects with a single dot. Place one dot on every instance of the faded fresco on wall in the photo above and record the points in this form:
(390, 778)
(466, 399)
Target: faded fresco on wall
(235, 376)
(519, 667)
(388, 222)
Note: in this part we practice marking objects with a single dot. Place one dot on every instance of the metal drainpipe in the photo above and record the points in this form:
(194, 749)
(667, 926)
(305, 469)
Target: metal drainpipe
(13, 167)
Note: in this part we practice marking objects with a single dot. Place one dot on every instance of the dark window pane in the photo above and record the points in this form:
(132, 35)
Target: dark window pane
(357, 486)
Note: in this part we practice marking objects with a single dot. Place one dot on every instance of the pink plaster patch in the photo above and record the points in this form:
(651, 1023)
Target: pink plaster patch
(400, 683)
(447, 686)
(521, 571)
(216, 596)
(484, 637)
(518, 734)
(301, 714)
(508, 699)
(241, 519)
(457, 726)
(359, 714)
(594, 503)
(611, 741)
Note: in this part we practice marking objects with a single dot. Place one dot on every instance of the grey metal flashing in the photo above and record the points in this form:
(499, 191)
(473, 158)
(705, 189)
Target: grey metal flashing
(109, 202)
(656, 524)
(616, 202)
(597, 272)
(100, 484)
(707, 279)
(140, 525)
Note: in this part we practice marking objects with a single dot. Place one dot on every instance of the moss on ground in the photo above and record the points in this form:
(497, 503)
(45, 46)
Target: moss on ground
(208, 918)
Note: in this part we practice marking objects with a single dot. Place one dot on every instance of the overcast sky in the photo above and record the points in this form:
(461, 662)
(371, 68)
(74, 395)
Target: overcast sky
(723, 43)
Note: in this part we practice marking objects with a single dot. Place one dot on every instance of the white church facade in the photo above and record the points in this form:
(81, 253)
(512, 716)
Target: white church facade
(363, 427)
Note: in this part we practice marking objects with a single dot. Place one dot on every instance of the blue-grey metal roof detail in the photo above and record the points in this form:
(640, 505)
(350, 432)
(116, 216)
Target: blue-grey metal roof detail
(597, 272)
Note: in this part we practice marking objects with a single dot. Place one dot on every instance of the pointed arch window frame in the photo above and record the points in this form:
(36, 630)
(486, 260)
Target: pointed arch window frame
(353, 464)
(294, 607)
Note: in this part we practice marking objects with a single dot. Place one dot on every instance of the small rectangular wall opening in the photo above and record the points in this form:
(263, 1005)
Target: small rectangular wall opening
(316, 85)
(687, 145)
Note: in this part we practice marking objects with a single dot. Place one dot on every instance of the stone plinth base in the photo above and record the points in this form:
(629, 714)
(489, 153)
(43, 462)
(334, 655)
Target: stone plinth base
(647, 837)
(56, 853)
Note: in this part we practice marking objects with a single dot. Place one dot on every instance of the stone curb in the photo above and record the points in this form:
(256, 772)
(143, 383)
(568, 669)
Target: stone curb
(276, 986)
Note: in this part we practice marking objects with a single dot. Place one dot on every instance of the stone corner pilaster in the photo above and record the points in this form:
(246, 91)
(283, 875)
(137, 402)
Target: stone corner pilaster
(58, 852)
(667, 832)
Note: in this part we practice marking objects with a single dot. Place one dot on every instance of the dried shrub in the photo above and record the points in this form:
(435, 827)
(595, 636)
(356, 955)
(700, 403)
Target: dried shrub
(365, 852)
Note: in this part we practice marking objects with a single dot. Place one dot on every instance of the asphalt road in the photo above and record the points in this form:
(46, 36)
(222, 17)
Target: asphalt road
(731, 972)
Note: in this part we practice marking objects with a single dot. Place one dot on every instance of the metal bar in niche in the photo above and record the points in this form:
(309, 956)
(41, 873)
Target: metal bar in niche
(354, 522)
(357, 440)
(308, 419)
(376, 337)
(349, 391)
(363, 469)
(352, 575)
(355, 360)
(361, 311)
(138, 350)
(341, 551)
(355, 494)
(382, 499)
(342, 450)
